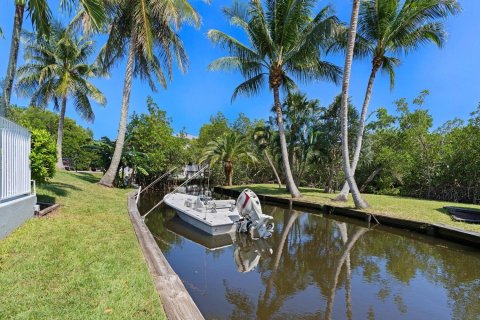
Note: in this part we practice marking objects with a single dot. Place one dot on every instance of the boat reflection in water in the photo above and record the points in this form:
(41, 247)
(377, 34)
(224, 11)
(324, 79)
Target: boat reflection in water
(247, 253)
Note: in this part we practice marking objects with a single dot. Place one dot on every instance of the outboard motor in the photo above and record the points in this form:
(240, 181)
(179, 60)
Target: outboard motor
(252, 220)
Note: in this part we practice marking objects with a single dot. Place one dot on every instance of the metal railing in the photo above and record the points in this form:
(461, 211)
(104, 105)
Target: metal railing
(15, 174)
(174, 190)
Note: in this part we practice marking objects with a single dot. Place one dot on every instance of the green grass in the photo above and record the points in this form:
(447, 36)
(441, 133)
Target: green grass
(82, 262)
(399, 207)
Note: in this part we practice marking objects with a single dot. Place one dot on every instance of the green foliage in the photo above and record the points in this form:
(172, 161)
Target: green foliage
(56, 68)
(286, 43)
(43, 156)
(410, 158)
(75, 137)
(228, 149)
(151, 135)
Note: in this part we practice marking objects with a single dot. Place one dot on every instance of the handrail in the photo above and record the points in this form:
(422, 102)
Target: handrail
(156, 180)
(137, 196)
(186, 181)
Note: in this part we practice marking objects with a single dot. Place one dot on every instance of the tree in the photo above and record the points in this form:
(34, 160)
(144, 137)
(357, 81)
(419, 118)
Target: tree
(360, 203)
(75, 137)
(262, 137)
(151, 134)
(40, 15)
(327, 145)
(42, 156)
(387, 29)
(285, 41)
(301, 114)
(228, 148)
(57, 68)
(144, 32)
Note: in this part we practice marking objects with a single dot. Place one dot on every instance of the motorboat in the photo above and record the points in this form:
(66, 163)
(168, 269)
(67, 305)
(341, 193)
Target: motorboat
(217, 217)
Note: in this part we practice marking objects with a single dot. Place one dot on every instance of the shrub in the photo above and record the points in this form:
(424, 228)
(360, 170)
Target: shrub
(43, 156)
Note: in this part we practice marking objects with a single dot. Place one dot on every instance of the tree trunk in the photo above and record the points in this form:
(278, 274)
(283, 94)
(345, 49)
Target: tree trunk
(346, 253)
(12, 61)
(370, 178)
(273, 168)
(109, 177)
(228, 169)
(292, 188)
(360, 203)
(61, 122)
(361, 127)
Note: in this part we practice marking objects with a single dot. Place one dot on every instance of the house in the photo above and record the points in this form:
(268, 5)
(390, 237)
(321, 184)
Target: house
(17, 200)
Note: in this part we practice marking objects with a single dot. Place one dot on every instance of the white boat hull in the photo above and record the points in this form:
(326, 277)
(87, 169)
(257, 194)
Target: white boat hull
(210, 229)
(214, 222)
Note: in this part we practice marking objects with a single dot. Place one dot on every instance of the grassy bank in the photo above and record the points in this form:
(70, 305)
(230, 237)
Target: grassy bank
(83, 262)
(398, 207)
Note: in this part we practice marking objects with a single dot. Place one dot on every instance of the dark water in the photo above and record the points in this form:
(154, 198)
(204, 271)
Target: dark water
(320, 268)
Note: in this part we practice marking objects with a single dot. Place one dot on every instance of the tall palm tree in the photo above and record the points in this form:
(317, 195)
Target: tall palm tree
(285, 41)
(262, 137)
(145, 32)
(387, 29)
(347, 169)
(40, 15)
(228, 148)
(56, 69)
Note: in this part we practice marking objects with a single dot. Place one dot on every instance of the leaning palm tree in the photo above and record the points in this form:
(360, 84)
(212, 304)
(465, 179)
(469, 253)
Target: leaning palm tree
(57, 69)
(144, 31)
(229, 148)
(262, 137)
(285, 41)
(40, 15)
(360, 203)
(387, 29)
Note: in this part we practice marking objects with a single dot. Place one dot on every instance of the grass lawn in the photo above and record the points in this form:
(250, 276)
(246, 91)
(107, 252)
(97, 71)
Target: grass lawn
(399, 207)
(82, 262)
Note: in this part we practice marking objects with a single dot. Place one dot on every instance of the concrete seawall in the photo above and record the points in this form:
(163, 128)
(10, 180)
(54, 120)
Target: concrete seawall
(438, 230)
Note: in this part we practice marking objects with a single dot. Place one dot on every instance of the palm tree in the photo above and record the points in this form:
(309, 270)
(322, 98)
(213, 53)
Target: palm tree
(144, 32)
(347, 169)
(228, 148)
(40, 15)
(387, 29)
(285, 41)
(262, 137)
(56, 69)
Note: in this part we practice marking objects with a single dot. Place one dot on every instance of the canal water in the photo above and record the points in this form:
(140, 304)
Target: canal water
(317, 267)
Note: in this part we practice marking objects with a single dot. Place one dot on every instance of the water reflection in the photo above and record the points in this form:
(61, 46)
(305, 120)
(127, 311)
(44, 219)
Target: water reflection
(319, 268)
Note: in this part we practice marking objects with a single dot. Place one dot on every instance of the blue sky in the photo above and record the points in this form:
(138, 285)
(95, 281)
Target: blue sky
(451, 75)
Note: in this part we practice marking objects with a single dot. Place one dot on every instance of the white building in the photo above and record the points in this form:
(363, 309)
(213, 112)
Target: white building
(16, 197)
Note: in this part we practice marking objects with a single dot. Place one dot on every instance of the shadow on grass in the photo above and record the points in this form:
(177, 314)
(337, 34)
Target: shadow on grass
(59, 188)
(45, 198)
(88, 177)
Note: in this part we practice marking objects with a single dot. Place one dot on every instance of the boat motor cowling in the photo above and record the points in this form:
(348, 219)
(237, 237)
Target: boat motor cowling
(253, 220)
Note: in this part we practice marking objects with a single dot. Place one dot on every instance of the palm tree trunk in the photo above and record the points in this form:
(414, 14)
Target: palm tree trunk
(346, 253)
(361, 127)
(292, 188)
(228, 169)
(370, 178)
(357, 197)
(109, 176)
(61, 122)
(273, 168)
(12, 61)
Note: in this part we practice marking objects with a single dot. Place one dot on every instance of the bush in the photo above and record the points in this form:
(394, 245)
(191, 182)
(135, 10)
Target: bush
(43, 155)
